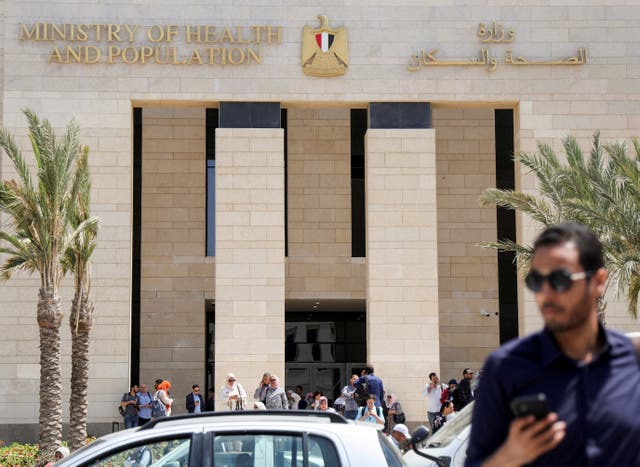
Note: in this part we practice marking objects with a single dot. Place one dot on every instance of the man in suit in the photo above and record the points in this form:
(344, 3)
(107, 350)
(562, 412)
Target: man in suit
(195, 401)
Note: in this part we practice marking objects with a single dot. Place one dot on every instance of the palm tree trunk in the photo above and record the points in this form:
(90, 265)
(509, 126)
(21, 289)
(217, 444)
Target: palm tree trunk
(80, 321)
(49, 318)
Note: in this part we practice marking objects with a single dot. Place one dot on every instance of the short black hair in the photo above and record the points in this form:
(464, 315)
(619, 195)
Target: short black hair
(195, 386)
(587, 243)
(369, 369)
(158, 381)
(432, 374)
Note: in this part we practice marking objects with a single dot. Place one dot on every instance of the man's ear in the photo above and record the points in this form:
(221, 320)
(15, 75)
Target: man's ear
(599, 281)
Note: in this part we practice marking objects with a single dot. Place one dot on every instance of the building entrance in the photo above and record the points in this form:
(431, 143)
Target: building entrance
(322, 349)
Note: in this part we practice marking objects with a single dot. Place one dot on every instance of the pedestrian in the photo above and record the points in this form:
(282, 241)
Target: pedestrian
(446, 413)
(449, 391)
(257, 405)
(374, 384)
(401, 437)
(395, 414)
(162, 394)
(210, 403)
(194, 400)
(130, 405)
(233, 394)
(144, 401)
(302, 404)
(58, 455)
(350, 404)
(433, 392)
(371, 412)
(463, 393)
(293, 399)
(588, 373)
(323, 405)
(276, 398)
(260, 393)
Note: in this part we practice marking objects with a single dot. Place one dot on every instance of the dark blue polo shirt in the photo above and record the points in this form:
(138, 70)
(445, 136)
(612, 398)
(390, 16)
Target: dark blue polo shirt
(375, 387)
(599, 401)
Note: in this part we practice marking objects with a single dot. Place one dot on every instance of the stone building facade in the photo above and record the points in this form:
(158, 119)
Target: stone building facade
(257, 217)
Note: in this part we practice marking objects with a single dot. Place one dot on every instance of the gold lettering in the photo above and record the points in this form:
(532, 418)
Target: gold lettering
(277, 34)
(55, 56)
(145, 52)
(125, 57)
(240, 35)
(81, 33)
(114, 52)
(195, 56)
(96, 54)
(157, 52)
(210, 34)
(34, 34)
(131, 30)
(239, 53)
(156, 36)
(98, 28)
(227, 36)
(190, 34)
(257, 32)
(60, 33)
(256, 57)
(113, 30)
(174, 51)
(172, 31)
(76, 55)
(213, 52)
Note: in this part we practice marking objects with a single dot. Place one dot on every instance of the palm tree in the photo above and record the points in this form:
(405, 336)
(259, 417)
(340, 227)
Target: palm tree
(602, 192)
(34, 241)
(77, 259)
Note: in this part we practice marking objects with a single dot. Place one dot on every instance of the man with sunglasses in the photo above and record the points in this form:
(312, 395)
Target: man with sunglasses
(590, 375)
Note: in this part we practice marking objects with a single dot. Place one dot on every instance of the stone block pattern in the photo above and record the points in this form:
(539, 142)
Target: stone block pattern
(467, 273)
(176, 274)
(402, 261)
(319, 262)
(250, 261)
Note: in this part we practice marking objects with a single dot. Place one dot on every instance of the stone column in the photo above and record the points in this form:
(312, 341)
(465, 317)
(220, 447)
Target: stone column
(250, 266)
(402, 261)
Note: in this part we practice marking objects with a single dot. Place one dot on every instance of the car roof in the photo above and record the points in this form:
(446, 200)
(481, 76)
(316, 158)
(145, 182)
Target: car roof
(344, 432)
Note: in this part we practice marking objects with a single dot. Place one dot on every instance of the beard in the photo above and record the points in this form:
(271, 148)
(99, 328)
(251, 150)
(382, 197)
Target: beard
(567, 319)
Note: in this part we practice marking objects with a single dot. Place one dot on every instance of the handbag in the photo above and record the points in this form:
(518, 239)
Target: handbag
(399, 418)
(158, 409)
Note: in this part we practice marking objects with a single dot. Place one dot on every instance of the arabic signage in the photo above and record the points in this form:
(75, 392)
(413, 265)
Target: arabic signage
(495, 34)
(131, 43)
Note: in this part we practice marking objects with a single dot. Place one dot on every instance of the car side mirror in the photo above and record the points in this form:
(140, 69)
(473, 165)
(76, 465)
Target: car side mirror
(419, 436)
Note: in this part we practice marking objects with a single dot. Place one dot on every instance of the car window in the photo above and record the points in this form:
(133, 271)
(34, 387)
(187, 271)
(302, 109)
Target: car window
(451, 429)
(163, 453)
(269, 450)
(391, 454)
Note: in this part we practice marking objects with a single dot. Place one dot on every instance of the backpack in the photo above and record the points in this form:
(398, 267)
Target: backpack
(158, 409)
(361, 393)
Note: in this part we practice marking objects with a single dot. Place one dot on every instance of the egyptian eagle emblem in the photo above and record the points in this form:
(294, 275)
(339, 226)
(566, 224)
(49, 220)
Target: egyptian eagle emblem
(324, 51)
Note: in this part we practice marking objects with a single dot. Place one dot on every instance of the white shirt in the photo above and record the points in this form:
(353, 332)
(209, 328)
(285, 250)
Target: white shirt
(433, 397)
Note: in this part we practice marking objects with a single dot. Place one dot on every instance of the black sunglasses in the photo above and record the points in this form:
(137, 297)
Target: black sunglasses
(560, 280)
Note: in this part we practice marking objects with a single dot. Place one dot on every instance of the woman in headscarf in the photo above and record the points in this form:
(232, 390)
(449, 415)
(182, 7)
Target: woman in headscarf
(276, 398)
(233, 394)
(393, 409)
(162, 394)
(59, 454)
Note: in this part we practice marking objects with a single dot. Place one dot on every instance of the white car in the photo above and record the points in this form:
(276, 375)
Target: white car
(242, 439)
(447, 447)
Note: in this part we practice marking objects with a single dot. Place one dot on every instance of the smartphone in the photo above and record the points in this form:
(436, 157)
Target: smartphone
(531, 404)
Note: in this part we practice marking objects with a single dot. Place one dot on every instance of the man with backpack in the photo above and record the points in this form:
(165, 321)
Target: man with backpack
(373, 386)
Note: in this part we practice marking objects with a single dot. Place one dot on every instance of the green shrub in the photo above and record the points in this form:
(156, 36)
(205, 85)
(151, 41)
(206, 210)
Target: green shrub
(17, 454)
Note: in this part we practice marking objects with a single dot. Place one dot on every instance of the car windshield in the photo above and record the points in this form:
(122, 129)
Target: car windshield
(452, 428)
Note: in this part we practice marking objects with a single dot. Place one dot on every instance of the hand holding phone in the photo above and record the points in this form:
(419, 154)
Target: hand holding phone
(530, 404)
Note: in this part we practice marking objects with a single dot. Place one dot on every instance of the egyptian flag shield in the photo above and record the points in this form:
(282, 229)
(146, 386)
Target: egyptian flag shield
(325, 40)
